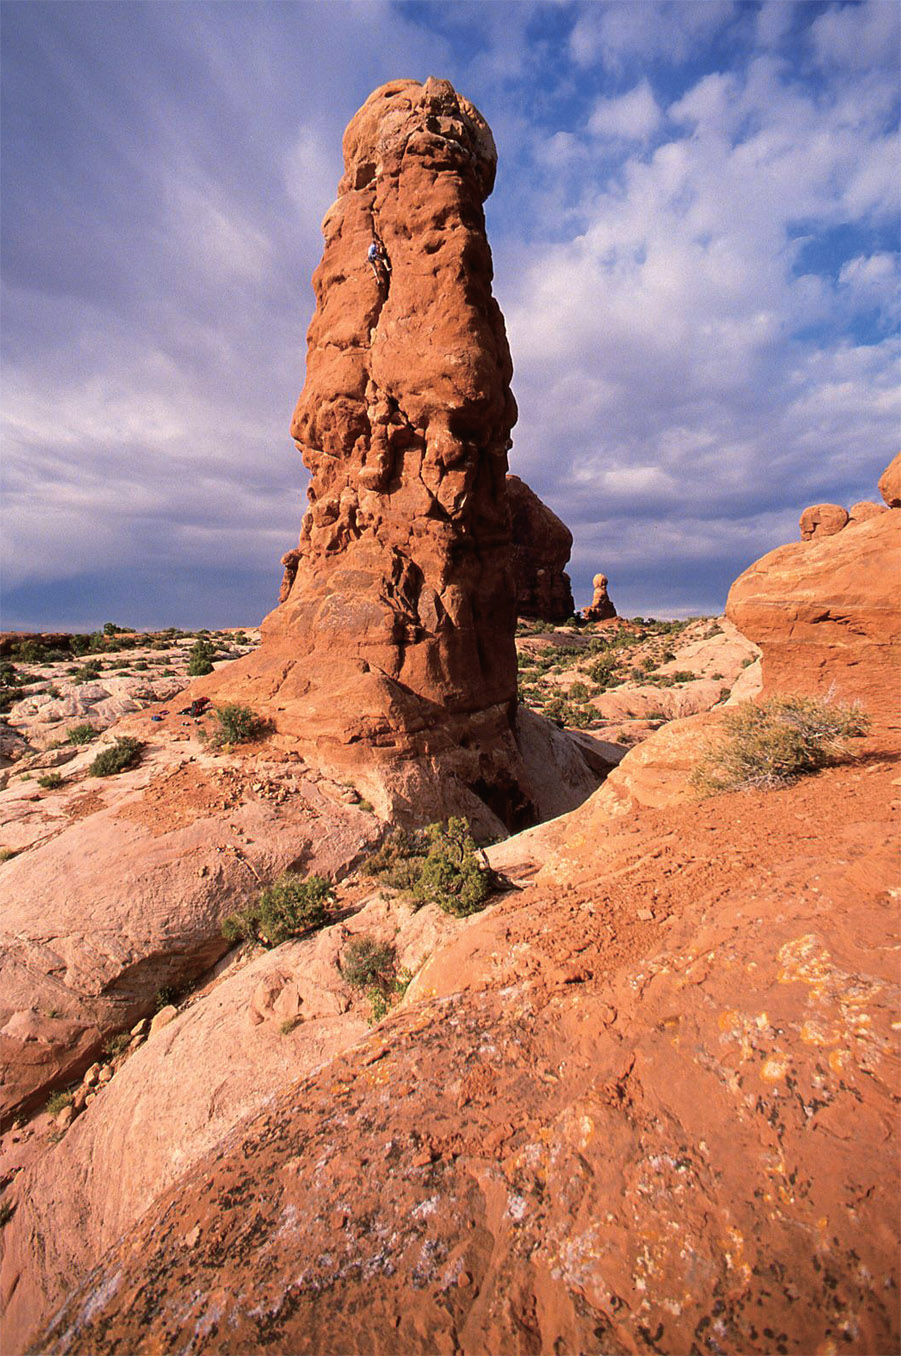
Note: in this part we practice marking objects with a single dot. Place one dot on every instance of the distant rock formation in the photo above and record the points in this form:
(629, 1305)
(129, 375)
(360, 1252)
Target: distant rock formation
(541, 548)
(601, 608)
(393, 644)
(822, 520)
(890, 483)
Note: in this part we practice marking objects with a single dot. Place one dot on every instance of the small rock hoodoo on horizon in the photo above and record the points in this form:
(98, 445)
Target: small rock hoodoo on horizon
(393, 640)
(601, 608)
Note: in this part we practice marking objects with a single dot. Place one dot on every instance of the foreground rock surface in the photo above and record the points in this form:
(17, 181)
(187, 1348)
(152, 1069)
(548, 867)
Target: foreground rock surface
(124, 890)
(661, 1064)
(258, 1027)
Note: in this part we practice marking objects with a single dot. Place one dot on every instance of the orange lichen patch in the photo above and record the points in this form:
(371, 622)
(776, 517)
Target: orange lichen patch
(814, 1032)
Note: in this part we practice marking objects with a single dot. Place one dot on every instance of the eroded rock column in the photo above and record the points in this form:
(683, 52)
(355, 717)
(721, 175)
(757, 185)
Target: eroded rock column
(395, 630)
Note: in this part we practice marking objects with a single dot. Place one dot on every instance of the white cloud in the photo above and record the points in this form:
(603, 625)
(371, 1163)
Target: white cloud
(616, 30)
(311, 168)
(871, 282)
(858, 37)
(633, 116)
(663, 352)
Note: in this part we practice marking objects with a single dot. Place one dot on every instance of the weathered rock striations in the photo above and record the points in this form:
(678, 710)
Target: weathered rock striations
(601, 608)
(393, 645)
(541, 548)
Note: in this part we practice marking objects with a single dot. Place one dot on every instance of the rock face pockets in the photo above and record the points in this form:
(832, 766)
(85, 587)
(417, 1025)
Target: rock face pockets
(394, 637)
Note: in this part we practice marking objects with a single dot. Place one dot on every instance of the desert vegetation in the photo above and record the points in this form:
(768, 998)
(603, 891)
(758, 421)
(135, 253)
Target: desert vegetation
(438, 865)
(776, 742)
(235, 724)
(287, 908)
(123, 753)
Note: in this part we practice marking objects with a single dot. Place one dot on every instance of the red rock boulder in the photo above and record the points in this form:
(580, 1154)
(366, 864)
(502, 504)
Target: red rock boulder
(826, 615)
(863, 511)
(890, 483)
(822, 520)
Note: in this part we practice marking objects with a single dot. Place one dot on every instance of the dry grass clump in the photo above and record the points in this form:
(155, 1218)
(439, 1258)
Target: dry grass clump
(777, 741)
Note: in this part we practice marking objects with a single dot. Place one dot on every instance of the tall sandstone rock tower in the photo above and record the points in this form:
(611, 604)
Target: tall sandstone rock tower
(392, 648)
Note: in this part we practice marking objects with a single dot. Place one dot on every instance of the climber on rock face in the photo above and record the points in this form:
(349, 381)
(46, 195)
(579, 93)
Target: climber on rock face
(379, 261)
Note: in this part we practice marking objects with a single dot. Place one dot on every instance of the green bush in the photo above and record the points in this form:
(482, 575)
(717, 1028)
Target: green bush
(81, 734)
(451, 874)
(437, 864)
(50, 781)
(200, 658)
(57, 1101)
(116, 1045)
(287, 908)
(603, 670)
(125, 752)
(236, 724)
(367, 962)
(777, 741)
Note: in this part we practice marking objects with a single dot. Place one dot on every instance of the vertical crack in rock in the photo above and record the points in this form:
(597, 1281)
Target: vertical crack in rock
(398, 606)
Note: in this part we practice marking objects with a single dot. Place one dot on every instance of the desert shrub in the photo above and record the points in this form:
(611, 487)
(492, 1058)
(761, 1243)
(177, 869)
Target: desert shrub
(369, 965)
(30, 652)
(603, 670)
(367, 962)
(116, 1045)
(57, 1101)
(578, 692)
(81, 734)
(7, 854)
(123, 753)
(200, 658)
(50, 781)
(236, 724)
(450, 873)
(398, 858)
(777, 741)
(287, 908)
(437, 864)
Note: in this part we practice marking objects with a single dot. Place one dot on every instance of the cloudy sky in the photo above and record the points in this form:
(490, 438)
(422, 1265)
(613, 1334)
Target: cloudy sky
(695, 235)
